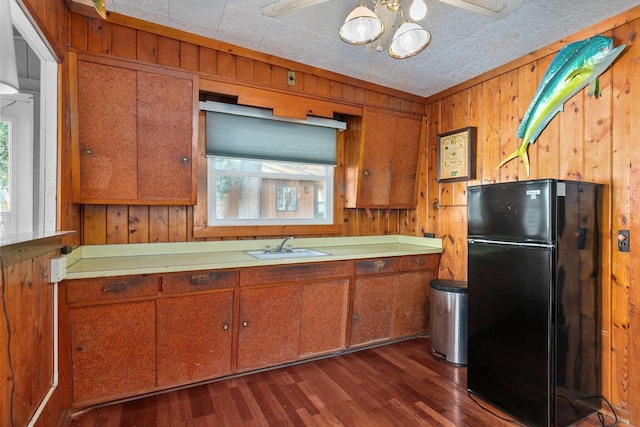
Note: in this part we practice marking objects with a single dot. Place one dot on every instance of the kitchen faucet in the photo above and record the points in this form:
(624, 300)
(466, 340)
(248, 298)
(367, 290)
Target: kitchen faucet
(281, 245)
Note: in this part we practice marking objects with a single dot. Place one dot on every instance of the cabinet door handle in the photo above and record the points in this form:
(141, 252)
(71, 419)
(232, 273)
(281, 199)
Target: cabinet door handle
(87, 151)
(114, 287)
(225, 327)
(355, 317)
(203, 279)
(184, 160)
(245, 324)
(365, 173)
(421, 261)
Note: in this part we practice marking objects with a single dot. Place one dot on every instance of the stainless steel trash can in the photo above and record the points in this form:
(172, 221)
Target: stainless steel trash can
(448, 320)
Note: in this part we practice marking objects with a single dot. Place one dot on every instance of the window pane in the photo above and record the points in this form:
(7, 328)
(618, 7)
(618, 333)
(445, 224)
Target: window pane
(249, 192)
(4, 167)
(269, 166)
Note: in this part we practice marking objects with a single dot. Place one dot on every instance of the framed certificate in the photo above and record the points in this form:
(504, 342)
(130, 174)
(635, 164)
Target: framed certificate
(456, 155)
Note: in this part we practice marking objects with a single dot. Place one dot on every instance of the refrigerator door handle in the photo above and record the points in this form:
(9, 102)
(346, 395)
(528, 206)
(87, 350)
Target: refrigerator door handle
(518, 244)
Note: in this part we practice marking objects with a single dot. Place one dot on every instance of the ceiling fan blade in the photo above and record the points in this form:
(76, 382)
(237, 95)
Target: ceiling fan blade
(494, 8)
(280, 7)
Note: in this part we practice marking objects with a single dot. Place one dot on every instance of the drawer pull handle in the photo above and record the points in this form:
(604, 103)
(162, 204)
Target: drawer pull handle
(379, 265)
(245, 324)
(203, 279)
(184, 160)
(355, 317)
(421, 261)
(226, 327)
(114, 287)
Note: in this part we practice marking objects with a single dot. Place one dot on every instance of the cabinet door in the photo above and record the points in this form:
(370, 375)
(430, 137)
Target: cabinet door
(113, 350)
(133, 132)
(375, 175)
(269, 326)
(165, 137)
(372, 303)
(194, 337)
(106, 121)
(410, 298)
(404, 163)
(324, 317)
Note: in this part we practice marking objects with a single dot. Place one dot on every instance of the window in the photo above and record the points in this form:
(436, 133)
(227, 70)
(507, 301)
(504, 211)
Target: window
(259, 192)
(5, 172)
(28, 140)
(16, 163)
(264, 170)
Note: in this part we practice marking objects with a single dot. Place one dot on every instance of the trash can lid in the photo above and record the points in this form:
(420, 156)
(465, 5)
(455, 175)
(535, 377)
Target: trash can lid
(446, 285)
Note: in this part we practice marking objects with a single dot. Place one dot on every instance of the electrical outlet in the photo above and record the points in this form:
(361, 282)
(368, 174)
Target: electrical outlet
(623, 240)
(291, 78)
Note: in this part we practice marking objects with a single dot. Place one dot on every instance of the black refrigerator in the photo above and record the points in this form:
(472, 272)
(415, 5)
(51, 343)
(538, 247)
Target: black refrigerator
(534, 340)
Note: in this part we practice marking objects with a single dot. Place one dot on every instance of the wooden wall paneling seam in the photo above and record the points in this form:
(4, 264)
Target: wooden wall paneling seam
(548, 146)
(514, 170)
(598, 168)
(527, 85)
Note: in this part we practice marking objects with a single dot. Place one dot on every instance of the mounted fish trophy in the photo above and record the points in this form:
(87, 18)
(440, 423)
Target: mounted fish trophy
(576, 65)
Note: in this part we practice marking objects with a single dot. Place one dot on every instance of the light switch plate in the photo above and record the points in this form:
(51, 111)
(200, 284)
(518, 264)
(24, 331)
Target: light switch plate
(58, 269)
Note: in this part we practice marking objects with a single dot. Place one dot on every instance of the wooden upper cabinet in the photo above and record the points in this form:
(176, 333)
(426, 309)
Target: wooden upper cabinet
(382, 160)
(133, 132)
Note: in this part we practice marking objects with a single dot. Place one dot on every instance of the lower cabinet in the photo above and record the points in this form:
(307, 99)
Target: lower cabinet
(291, 312)
(323, 317)
(390, 298)
(113, 350)
(372, 305)
(133, 335)
(194, 337)
(268, 333)
(410, 296)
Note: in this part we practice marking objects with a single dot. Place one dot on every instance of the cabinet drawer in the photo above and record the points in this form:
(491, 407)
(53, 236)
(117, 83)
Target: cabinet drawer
(113, 288)
(294, 273)
(196, 281)
(377, 266)
(419, 262)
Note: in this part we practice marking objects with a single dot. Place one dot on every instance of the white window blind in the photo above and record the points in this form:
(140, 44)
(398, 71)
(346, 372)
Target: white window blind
(253, 133)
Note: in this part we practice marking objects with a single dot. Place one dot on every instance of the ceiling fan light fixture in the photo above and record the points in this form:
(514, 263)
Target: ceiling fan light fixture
(409, 40)
(362, 26)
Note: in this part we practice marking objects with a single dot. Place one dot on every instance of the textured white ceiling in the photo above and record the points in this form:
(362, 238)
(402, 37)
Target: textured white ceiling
(464, 44)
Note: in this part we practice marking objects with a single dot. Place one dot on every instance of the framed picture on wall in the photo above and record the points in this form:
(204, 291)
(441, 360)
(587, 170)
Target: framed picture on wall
(286, 199)
(456, 155)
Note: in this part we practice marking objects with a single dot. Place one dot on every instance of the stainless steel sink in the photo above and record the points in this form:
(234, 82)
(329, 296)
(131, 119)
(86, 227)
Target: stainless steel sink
(293, 253)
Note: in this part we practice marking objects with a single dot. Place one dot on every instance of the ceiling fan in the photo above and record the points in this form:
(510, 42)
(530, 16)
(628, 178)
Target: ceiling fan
(364, 26)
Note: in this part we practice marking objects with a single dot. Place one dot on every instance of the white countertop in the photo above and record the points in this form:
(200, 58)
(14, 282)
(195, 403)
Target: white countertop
(148, 258)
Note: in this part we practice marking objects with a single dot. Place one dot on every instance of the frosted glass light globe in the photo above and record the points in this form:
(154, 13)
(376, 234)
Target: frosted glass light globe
(418, 10)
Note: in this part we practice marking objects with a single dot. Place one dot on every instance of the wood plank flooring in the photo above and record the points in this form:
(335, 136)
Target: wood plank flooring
(394, 385)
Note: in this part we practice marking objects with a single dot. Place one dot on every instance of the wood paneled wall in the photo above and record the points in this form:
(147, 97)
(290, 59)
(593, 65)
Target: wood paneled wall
(593, 139)
(26, 333)
(133, 40)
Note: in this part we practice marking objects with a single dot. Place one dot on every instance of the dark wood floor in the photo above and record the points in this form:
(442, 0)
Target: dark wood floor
(393, 385)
